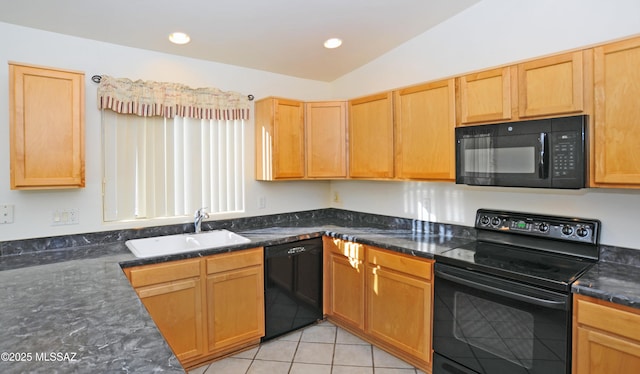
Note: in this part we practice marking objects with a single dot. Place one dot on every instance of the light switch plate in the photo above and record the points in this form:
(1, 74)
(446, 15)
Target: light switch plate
(6, 213)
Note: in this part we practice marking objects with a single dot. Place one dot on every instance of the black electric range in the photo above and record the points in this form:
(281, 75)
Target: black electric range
(546, 251)
(502, 304)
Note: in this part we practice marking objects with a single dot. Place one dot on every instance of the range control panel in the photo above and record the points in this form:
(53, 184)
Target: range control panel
(554, 227)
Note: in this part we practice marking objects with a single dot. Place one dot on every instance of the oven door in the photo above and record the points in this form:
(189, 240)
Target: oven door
(512, 155)
(491, 325)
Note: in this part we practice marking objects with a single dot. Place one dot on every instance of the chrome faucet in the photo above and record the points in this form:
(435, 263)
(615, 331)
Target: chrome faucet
(198, 217)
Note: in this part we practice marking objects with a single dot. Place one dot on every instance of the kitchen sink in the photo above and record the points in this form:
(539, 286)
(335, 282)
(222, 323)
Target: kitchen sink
(181, 243)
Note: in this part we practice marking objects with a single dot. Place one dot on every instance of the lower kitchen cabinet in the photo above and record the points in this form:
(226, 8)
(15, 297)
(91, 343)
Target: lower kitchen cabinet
(606, 337)
(382, 296)
(344, 282)
(172, 293)
(235, 298)
(205, 307)
(399, 294)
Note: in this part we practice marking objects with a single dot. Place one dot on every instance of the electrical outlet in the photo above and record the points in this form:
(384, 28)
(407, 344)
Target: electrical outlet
(262, 202)
(65, 217)
(426, 204)
(6, 213)
(336, 197)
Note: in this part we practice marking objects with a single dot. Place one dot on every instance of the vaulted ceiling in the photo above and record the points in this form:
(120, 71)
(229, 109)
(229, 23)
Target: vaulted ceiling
(279, 36)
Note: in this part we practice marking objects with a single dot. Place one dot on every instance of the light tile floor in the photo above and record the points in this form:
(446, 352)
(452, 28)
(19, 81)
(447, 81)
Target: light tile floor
(317, 349)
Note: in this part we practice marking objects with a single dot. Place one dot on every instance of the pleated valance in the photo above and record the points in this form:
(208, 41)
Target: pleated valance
(148, 98)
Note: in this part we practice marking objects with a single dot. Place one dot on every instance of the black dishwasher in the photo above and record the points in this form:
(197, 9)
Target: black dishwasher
(292, 286)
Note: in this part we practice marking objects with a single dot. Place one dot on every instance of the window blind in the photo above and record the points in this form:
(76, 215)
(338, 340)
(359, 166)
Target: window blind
(158, 167)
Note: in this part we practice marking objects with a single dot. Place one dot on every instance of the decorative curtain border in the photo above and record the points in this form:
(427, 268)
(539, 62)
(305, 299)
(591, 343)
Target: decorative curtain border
(148, 98)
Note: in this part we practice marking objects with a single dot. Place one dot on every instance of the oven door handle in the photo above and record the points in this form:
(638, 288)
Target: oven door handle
(553, 304)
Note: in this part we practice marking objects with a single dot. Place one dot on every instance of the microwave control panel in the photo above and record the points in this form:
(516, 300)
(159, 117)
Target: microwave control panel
(566, 154)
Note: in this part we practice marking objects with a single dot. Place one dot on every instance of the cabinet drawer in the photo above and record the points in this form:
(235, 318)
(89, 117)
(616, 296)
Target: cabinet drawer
(347, 249)
(608, 317)
(234, 260)
(165, 272)
(420, 268)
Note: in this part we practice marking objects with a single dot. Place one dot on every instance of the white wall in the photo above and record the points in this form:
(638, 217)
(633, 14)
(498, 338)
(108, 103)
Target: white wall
(492, 33)
(33, 209)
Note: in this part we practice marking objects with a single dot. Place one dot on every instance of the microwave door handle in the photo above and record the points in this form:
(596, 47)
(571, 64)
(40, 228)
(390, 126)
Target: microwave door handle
(543, 163)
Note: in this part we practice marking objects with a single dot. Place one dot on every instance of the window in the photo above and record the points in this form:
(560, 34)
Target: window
(165, 167)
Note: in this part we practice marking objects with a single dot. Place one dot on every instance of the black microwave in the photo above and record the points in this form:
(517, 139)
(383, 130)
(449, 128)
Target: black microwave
(546, 153)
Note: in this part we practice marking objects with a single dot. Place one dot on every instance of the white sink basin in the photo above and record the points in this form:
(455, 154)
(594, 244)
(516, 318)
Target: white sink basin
(180, 243)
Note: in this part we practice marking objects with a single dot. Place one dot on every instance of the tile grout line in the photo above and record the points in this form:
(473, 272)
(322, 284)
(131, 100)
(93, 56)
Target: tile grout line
(296, 351)
(335, 343)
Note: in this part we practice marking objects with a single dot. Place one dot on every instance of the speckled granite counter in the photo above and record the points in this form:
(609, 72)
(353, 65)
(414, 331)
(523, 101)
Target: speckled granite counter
(399, 240)
(77, 304)
(615, 278)
(77, 316)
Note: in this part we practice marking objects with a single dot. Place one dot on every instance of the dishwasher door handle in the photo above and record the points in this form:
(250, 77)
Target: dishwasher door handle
(295, 250)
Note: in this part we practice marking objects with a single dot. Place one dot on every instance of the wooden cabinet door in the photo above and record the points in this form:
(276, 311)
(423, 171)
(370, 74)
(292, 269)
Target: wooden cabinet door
(617, 114)
(399, 302)
(424, 135)
(172, 294)
(47, 127)
(344, 282)
(553, 85)
(486, 96)
(280, 152)
(606, 337)
(602, 353)
(235, 298)
(326, 130)
(371, 137)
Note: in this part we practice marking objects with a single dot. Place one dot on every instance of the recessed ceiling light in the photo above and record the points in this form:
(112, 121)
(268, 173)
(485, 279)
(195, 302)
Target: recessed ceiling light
(332, 43)
(179, 38)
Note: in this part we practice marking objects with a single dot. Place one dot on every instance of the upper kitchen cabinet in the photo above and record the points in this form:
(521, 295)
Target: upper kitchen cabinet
(617, 115)
(326, 133)
(46, 113)
(553, 85)
(424, 136)
(371, 137)
(543, 87)
(280, 148)
(485, 96)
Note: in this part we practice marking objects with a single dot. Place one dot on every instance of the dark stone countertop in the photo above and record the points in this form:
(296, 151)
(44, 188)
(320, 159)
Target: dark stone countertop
(615, 282)
(78, 301)
(83, 309)
(400, 240)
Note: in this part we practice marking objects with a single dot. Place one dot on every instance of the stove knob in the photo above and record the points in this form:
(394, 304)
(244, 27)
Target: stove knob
(582, 232)
(544, 227)
(567, 230)
(496, 221)
(484, 220)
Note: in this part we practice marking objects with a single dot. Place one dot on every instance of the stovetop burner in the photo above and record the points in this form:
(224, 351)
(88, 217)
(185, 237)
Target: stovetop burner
(546, 251)
(538, 268)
